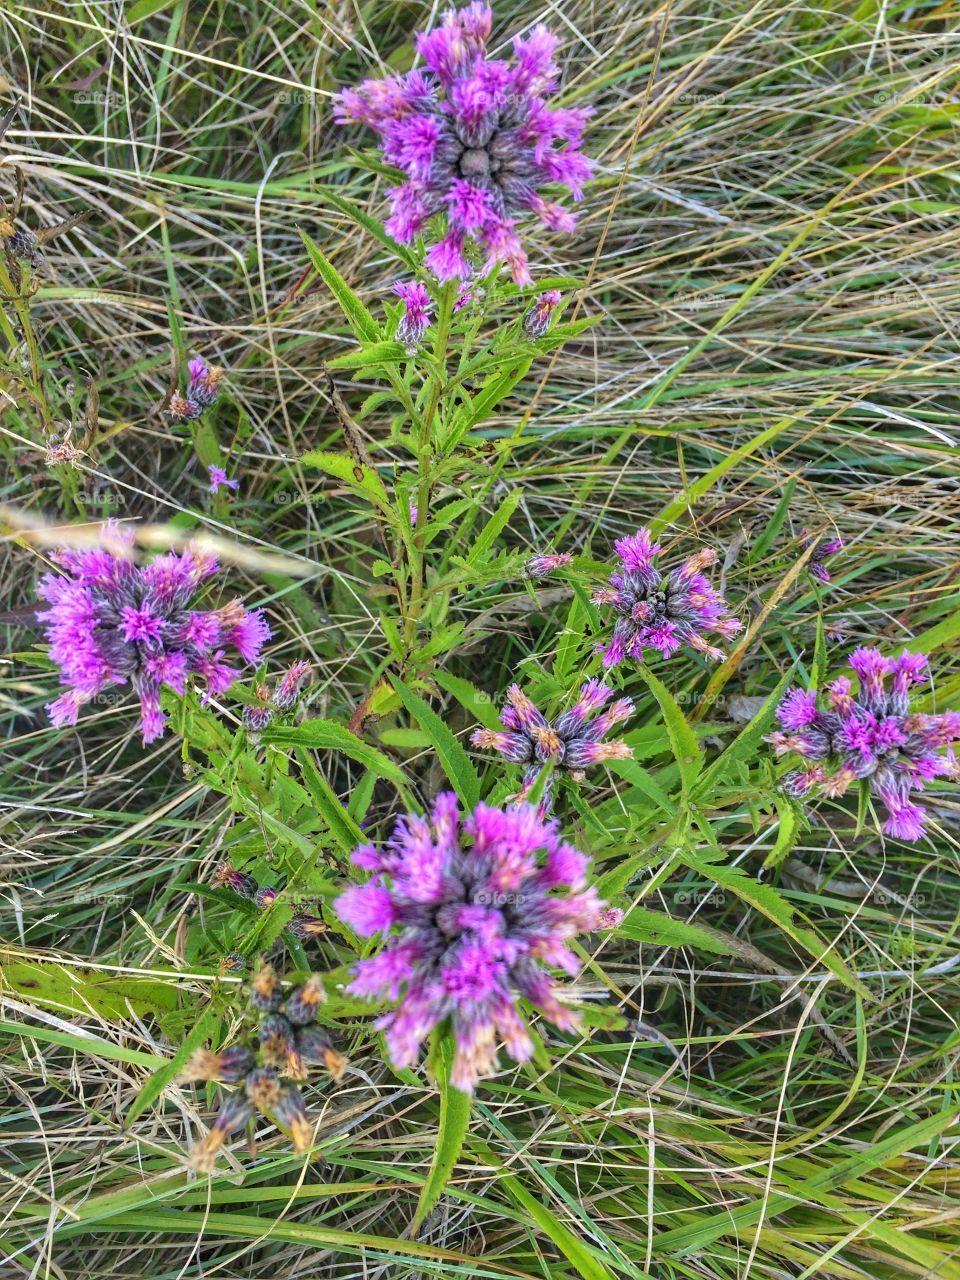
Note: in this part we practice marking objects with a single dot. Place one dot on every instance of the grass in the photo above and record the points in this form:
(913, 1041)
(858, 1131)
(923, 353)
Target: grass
(770, 253)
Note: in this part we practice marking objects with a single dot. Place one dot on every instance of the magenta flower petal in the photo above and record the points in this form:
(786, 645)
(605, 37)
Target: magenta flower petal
(869, 736)
(476, 140)
(478, 916)
(111, 622)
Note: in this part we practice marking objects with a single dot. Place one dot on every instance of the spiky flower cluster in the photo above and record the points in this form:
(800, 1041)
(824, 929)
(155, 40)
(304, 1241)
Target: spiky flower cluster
(202, 391)
(571, 743)
(478, 916)
(662, 610)
(112, 622)
(476, 139)
(872, 737)
(287, 1042)
(301, 925)
(822, 552)
(256, 716)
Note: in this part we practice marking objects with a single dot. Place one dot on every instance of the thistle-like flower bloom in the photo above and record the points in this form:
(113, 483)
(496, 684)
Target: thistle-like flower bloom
(610, 918)
(545, 563)
(478, 918)
(822, 552)
(536, 322)
(416, 314)
(218, 480)
(202, 391)
(287, 1043)
(872, 736)
(662, 610)
(571, 743)
(292, 682)
(111, 622)
(476, 140)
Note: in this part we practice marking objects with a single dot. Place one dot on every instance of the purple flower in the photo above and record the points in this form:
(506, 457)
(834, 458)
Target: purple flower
(256, 716)
(476, 140)
(111, 621)
(871, 737)
(546, 562)
(610, 918)
(202, 390)
(293, 680)
(572, 742)
(822, 552)
(478, 920)
(536, 322)
(218, 480)
(415, 319)
(662, 611)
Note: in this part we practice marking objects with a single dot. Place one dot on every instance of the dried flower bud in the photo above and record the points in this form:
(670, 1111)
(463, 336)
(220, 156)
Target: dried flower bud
(302, 1004)
(315, 1047)
(266, 994)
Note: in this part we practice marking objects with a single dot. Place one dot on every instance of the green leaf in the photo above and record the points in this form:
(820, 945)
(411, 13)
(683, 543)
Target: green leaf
(359, 318)
(480, 705)
(661, 930)
(373, 226)
(202, 1030)
(683, 740)
(572, 1247)
(454, 761)
(454, 1119)
(745, 744)
(342, 826)
(494, 527)
(356, 474)
(765, 899)
(325, 735)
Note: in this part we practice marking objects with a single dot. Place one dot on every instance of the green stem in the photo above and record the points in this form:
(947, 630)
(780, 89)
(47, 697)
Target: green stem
(424, 455)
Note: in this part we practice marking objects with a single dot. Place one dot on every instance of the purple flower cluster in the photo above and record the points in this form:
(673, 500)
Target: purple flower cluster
(287, 1041)
(111, 622)
(478, 920)
(571, 743)
(821, 553)
(476, 140)
(873, 737)
(660, 610)
(202, 391)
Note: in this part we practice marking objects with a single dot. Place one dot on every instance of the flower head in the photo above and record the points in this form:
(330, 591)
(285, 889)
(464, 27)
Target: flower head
(287, 1042)
(536, 322)
(476, 141)
(481, 906)
(202, 390)
(821, 553)
(111, 622)
(218, 480)
(572, 742)
(871, 736)
(546, 562)
(416, 314)
(662, 610)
